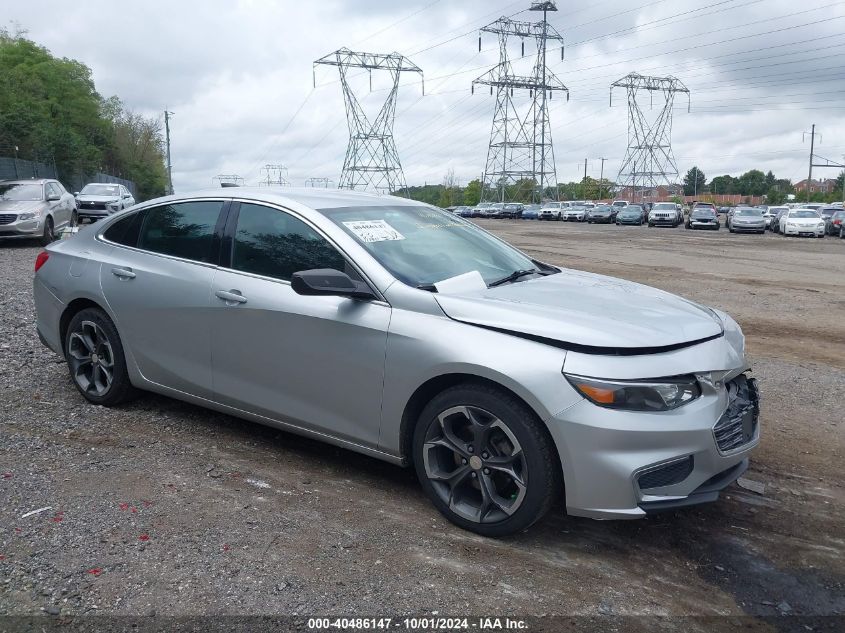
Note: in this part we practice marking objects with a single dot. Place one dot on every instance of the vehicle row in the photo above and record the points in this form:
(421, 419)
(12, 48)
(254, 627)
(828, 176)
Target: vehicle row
(41, 208)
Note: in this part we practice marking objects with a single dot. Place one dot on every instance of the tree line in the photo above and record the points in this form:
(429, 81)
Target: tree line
(51, 112)
(755, 183)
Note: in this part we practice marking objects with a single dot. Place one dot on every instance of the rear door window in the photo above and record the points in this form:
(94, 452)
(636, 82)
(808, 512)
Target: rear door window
(184, 230)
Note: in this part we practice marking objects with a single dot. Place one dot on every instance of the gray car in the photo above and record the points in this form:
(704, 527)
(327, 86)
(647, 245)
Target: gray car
(100, 199)
(747, 220)
(35, 209)
(389, 327)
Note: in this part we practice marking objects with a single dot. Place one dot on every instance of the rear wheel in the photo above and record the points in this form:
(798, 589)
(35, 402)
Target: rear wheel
(74, 219)
(485, 461)
(96, 360)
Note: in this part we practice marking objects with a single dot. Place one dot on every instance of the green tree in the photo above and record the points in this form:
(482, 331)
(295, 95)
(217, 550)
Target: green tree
(723, 185)
(694, 182)
(472, 193)
(753, 183)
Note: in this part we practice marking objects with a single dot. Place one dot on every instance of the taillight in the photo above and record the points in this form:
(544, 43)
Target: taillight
(42, 258)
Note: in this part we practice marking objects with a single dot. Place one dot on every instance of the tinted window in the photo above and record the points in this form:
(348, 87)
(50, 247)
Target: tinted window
(275, 244)
(183, 230)
(125, 231)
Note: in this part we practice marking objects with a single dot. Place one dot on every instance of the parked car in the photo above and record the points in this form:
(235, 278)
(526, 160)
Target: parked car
(477, 209)
(575, 214)
(35, 209)
(602, 214)
(493, 211)
(835, 223)
(748, 220)
(385, 326)
(512, 210)
(774, 225)
(530, 212)
(703, 218)
(802, 222)
(827, 212)
(554, 210)
(99, 199)
(771, 213)
(630, 214)
(664, 214)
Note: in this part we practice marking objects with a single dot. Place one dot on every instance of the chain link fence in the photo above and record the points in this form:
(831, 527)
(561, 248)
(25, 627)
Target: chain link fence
(18, 168)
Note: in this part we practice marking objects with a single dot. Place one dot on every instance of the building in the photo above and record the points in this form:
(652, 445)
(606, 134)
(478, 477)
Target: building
(828, 185)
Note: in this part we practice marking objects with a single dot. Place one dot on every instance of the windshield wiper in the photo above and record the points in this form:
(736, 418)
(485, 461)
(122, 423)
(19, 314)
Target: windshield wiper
(517, 274)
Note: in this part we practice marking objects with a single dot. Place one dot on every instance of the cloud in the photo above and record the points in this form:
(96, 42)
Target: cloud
(239, 78)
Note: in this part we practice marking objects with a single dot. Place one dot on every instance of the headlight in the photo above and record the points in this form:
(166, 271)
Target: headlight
(27, 216)
(638, 395)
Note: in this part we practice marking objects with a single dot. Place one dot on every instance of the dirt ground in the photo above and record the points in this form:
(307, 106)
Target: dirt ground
(162, 507)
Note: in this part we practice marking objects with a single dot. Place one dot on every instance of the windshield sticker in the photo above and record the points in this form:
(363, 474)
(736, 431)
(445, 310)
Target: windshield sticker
(374, 231)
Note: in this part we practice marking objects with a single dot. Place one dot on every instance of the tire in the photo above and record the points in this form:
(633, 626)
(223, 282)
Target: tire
(438, 454)
(842, 232)
(92, 335)
(49, 236)
(687, 227)
(74, 219)
(731, 230)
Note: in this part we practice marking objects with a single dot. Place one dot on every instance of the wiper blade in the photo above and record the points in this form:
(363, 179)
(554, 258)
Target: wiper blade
(517, 274)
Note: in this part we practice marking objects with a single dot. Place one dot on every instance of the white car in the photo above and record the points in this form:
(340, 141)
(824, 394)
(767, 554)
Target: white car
(802, 222)
(575, 214)
(553, 210)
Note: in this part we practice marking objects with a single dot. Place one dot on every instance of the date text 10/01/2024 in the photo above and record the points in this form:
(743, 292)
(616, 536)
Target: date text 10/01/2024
(418, 624)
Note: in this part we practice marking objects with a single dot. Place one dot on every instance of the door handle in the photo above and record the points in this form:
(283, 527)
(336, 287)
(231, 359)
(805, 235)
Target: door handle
(123, 273)
(231, 296)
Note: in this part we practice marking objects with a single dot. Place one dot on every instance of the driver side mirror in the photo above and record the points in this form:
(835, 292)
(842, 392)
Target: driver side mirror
(329, 282)
(53, 198)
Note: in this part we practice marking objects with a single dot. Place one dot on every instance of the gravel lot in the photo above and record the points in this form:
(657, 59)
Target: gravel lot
(162, 507)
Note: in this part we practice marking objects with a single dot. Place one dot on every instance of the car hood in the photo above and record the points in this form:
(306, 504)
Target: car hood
(90, 198)
(20, 206)
(586, 311)
(812, 221)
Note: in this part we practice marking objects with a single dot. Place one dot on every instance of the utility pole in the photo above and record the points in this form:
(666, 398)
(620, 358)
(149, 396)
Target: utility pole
(695, 182)
(812, 144)
(827, 162)
(601, 179)
(169, 165)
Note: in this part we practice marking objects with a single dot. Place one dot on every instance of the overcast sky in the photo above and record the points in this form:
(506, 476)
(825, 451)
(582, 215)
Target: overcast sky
(238, 76)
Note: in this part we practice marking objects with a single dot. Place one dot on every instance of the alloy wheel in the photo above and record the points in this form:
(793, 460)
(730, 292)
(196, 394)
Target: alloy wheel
(91, 359)
(475, 464)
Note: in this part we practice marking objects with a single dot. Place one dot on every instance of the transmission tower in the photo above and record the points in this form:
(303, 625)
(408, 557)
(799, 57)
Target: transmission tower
(371, 156)
(274, 176)
(649, 161)
(521, 144)
(228, 180)
(318, 182)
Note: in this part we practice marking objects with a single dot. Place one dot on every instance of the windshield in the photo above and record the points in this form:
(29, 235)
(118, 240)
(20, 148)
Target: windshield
(750, 212)
(665, 206)
(703, 213)
(20, 192)
(100, 190)
(634, 207)
(602, 209)
(619, 203)
(422, 246)
(805, 213)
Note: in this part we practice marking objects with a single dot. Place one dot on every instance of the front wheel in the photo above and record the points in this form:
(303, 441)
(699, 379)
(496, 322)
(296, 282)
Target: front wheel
(96, 360)
(49, 235)
(485, 461)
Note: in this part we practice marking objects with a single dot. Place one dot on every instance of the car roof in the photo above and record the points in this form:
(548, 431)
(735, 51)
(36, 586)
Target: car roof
(27, 181)
(314, 197)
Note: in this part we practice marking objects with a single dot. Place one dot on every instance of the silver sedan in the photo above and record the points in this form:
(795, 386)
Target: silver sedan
(392, 328)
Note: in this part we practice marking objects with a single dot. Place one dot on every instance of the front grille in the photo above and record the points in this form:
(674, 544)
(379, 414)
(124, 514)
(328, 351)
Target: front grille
(667, 475)
(94, 206)
(7, 218)
(738, 423)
